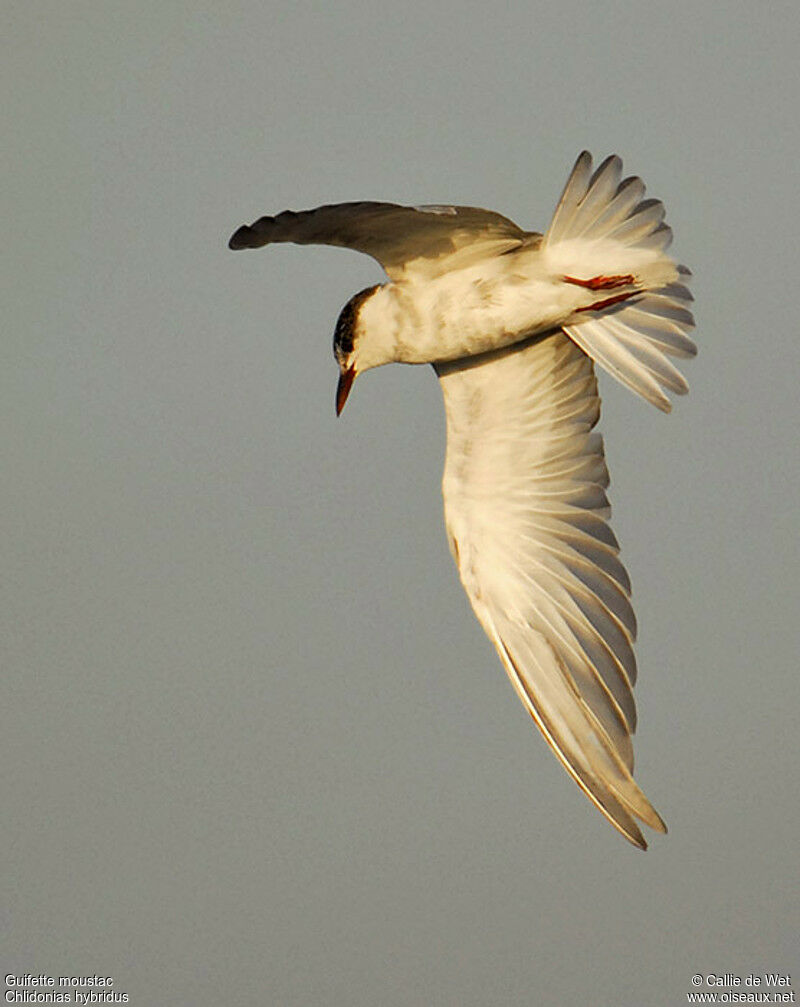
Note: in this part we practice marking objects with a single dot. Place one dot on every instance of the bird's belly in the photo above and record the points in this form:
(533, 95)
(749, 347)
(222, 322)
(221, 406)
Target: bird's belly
(448, 319)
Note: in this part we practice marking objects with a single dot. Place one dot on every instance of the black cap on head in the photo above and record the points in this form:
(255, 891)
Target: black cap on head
(344, 333)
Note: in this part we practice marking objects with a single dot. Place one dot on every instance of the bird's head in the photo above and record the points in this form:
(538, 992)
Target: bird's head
(349, 344)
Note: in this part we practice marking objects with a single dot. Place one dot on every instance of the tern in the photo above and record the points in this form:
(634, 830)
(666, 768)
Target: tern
(513, 322)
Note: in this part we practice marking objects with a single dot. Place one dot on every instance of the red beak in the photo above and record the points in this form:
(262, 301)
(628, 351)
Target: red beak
(346, 379)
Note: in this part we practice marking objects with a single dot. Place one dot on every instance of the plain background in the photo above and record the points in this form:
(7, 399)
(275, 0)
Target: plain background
(257, 749)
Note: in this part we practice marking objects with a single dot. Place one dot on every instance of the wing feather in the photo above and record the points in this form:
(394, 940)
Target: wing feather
(397, 236)
(526, 512)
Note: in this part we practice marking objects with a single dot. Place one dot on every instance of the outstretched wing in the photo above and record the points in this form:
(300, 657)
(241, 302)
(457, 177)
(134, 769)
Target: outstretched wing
(399, 237)
(526, 514)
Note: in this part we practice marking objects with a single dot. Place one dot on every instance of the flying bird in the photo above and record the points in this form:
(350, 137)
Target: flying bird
(513, 322)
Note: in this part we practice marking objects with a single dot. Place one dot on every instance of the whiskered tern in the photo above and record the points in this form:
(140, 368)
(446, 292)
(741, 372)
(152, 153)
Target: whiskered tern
(513, 322)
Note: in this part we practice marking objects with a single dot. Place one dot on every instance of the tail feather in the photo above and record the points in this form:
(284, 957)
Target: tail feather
(629, 194)
(571, 197)
(663, 370)
(602, 187)
(641, 223)
(598, 340)
(659, 240)
(605, 228)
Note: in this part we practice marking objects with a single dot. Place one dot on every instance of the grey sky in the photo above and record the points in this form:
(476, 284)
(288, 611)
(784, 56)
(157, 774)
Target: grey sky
(258, 749)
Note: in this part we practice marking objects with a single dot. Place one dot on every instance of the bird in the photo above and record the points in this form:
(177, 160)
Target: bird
(513, 323)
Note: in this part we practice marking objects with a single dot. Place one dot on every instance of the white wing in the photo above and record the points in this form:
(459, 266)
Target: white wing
(526, 512)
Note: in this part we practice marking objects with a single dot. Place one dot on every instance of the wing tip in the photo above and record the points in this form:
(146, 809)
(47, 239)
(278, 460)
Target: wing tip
(239, 238)
(628, 827)
(636, 838)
